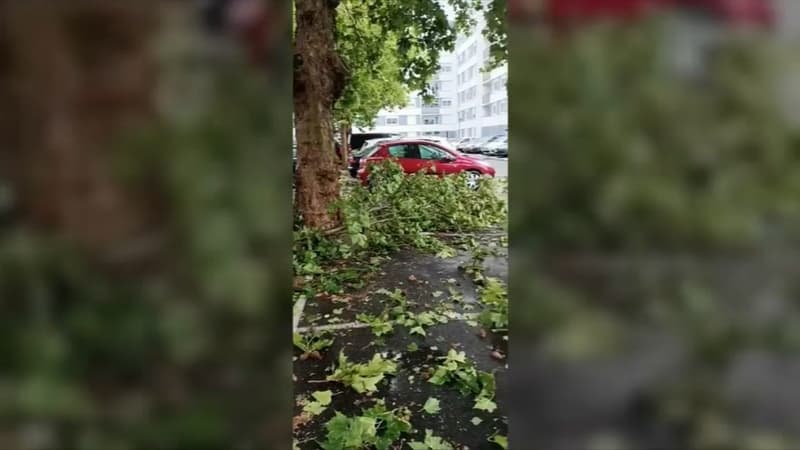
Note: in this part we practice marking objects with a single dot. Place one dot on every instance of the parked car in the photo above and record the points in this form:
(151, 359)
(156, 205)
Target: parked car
(484, 143)
(415, 155)
(497, 147)
(473, 146)
(372, 142)
(478, 145)
(357, 139)
(465, 143)
(437, 139)
(367, 149)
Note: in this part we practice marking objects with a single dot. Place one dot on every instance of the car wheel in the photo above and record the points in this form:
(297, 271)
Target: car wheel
(473, 178)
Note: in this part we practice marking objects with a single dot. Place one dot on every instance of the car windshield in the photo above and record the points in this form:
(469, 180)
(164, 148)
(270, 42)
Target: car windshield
(366, 150)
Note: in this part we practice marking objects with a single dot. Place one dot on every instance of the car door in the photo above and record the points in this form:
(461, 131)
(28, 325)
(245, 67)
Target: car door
(407, 155)
(437, 160)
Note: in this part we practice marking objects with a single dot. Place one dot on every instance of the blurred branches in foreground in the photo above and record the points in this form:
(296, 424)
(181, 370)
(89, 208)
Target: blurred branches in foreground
(141, 239)
(626, 151)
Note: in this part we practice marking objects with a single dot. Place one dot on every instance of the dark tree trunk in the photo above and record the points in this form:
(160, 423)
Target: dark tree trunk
(319, 79)
(345, 137)
(74, 73)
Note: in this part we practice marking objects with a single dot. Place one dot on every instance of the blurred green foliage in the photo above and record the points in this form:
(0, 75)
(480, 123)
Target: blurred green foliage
(645, 198)
(185, 353)
(621, 150)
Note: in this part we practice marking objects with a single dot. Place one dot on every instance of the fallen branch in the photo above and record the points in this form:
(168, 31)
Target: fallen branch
(463, 233)
(333, 327)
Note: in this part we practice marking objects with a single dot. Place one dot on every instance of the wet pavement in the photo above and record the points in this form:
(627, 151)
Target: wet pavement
(428, 284)
(665, 385)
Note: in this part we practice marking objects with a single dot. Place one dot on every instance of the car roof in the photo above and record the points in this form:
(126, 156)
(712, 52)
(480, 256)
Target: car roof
(409, 140)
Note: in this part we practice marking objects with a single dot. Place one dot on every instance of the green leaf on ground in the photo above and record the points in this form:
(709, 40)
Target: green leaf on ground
(484, 404)
(432, 406)
(314, 408)
(502, 441)
(375, 428)
(476, 421)
(323, 397)
(363, 378)
(431, 442)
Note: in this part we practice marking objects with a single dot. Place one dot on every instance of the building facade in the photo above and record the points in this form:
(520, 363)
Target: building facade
(482, 97)
(417, 118)
(469, 101)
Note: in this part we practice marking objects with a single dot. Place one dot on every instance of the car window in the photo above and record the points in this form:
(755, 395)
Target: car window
(364, 151)
(404, 151)
(431, 153)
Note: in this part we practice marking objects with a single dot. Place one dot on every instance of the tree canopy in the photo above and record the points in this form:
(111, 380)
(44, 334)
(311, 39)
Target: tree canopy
(392, 47)
(370, 53)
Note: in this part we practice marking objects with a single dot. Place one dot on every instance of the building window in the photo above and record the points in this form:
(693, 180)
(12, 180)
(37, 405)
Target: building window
(391, 121)
(487, 111)
(431, 120)
(447, 102)
(503, 106)
(446, 68)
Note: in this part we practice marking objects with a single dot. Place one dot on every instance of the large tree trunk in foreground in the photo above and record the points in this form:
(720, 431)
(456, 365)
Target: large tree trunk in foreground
(319, 79)
(74, 73)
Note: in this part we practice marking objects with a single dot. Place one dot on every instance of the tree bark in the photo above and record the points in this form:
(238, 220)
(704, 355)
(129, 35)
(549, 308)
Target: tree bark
(75, 74)
(319, 79)
(345, 137)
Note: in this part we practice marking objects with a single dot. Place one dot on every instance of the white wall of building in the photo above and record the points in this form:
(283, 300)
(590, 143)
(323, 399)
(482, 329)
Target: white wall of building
(471, 103)
(419, 119)
(482, 97)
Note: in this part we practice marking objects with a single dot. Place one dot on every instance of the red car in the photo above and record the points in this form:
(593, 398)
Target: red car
(416, 155)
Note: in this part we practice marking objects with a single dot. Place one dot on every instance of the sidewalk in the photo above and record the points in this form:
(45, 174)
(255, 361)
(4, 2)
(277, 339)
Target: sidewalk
(427, 284)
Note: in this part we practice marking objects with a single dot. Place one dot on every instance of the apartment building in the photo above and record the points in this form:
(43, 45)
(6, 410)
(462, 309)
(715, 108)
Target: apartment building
(482, 97)
(469, 102)
(418, 118)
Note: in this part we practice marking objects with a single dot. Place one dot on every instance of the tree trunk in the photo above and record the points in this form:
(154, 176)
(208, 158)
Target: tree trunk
(75, 74)
(345, 136)
(319, 79)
